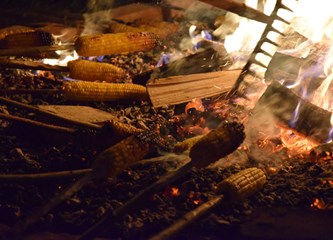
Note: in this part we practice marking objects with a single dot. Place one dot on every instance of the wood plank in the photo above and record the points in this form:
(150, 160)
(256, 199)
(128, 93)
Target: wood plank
(179, 89)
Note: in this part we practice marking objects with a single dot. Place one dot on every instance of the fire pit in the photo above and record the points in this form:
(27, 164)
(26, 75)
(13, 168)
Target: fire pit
(167, 120)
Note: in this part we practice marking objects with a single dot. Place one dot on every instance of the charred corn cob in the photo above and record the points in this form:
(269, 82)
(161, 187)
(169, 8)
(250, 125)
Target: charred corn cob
(217, 144)
(92, 71)
(14, 30)
(116, 27)
(186, 144)
(84, 91)
(162, 29)
(28, 39)
(122, 129)
(115, 43)
(243, 184)
(117, 158)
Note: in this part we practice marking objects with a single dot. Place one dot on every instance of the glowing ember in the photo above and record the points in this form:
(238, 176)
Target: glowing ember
(195, 104)
(175, 192)
(318, 203)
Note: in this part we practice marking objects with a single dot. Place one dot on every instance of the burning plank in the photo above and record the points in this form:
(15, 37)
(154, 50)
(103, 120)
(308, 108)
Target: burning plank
(179, 89)
(281, 102)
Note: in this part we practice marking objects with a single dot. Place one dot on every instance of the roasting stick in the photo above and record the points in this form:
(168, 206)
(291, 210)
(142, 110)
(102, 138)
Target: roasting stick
(34, 50)
(235, 188)
(108, 164)
(215, 145)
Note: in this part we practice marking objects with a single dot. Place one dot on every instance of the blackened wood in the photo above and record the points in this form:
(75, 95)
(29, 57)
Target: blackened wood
(286, 68)
(38, 52)
(207, 60)
(281, 103)
(32, 65)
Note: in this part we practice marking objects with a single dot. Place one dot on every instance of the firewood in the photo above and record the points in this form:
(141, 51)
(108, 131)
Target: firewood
(281, 102)
(203, 61)
(179, 89)
(286, 68)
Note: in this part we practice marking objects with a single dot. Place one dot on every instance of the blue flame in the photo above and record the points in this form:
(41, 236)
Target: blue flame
(164, 59)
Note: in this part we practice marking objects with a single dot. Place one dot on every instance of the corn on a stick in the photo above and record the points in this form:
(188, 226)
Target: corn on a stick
(217, 142)
(28, 39)
(237, 187)
(187, 144)
(92, 71)
(13, 30)
(116, 27)
(116, 43)
(83, 91)
(108, 164)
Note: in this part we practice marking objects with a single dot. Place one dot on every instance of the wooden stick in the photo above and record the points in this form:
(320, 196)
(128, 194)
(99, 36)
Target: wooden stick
(281, 102)
(42, 176)
(47, 113)
(34, 50)
(179, 89)
(27, 121)
(26, 64)
(190, 217)
(240, 9)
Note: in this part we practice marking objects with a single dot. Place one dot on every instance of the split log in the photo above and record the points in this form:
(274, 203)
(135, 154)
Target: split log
(286, 68)
(281, 102)
(179, 89)
(204, 61)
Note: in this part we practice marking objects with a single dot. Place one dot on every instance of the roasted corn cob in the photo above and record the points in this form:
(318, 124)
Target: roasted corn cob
(186, 144)
(243, 184)
(92, 71)
(217, 144)
(122, 129)
(84, 91)
(116, 27)
(28, 39)
(115, 43)
(14, 30)
(162, 29)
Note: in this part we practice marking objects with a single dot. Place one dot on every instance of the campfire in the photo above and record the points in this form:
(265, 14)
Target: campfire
(167, 120)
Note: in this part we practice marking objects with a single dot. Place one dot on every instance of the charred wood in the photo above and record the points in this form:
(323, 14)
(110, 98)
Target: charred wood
(281, 102)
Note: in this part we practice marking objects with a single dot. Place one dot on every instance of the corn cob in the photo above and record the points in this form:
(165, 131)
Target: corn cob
(84, 91)
(162, 29)
(92, 71)
(28, 39)
(122, 129)
(116, 27)
(115, 43)
(243, 184)
(13, 30)
(217, 144)
(187, 144)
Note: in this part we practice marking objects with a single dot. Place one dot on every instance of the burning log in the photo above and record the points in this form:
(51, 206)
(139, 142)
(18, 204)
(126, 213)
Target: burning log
(235, 188)
(179, 89)
(281, 102)
(207, 60)
(215, 145)
(287, 68)
(116, 43)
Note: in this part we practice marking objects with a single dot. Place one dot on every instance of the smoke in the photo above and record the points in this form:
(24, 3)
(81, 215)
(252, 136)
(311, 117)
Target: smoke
(98, 16)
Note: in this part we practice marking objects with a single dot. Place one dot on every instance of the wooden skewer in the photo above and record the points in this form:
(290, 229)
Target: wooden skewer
(34, 50)
(11, 63)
